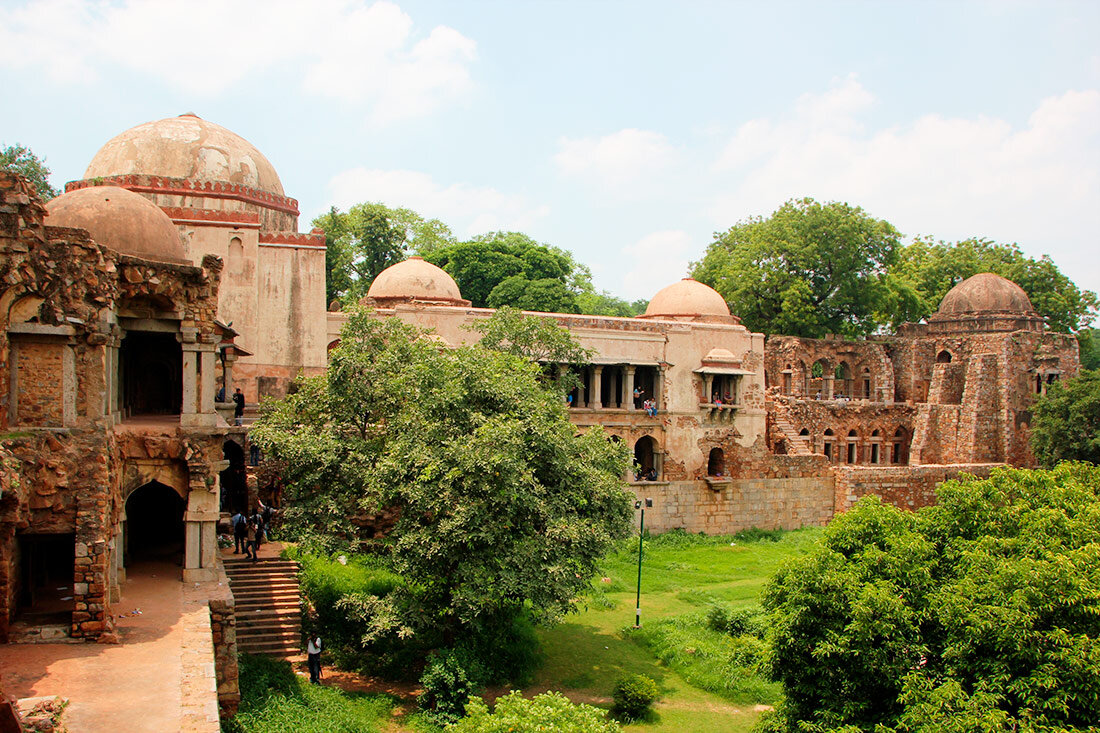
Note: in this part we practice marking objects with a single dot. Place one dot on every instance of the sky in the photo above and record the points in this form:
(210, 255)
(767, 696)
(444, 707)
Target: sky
(626, 132)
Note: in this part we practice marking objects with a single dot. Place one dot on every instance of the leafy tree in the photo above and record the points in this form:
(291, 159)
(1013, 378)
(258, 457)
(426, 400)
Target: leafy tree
(979, 613)
(1088, 341)
(926, 270)
(500, 506)
(605, 304)
(1066, 421)
(485, 262)
(513, 713)
(20, 159)
(535, 339)
(370, 237)
(807, 270)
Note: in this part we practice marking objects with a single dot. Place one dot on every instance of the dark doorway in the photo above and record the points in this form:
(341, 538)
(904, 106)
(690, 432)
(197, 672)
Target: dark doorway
(944, 357)
(234, 480)
(46, 563)
(645, 465)
(152, 374)
(154, 524)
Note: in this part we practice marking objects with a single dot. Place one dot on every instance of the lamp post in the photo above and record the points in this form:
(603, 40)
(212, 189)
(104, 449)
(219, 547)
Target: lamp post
(641, 533)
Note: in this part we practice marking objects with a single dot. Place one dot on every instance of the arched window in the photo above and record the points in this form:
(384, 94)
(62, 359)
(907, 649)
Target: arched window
(645, 459)
(944, 357)
(866, 383)
(853, 447)
(829, 441)
(876, 445)
(716, 463)
(901, 446)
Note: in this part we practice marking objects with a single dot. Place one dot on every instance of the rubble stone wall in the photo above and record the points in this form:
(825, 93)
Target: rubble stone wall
(906, 487)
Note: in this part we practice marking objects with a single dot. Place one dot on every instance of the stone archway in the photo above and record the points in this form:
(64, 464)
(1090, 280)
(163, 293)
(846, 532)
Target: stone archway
(155, 524)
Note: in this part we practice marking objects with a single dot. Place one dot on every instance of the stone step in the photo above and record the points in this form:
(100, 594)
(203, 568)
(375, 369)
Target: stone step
(260, 595)
(260, 627)
(275, 649)
(235, 563)
(265, 635)
(277, 577)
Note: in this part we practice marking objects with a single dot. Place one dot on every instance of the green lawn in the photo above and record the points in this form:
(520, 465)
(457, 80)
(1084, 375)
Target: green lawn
(682, 576)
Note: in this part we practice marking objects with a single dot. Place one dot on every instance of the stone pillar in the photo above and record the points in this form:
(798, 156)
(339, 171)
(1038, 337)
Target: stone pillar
(192, 553)
(227, 372)
(628, 387)
(209, 541)
(582, 389)
(828, 386)
(658, 388)
(597, 387)
(708, 382)
(206, 381)
(190, 381)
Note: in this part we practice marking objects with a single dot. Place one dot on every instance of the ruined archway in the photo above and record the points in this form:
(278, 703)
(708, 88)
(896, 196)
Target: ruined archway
(46, 569)
(234, 479)
(645, 459)
(716, 462)
(154, 524)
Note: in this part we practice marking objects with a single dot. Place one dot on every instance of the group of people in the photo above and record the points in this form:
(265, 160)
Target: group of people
(650, 406)
(249, 531)
(719, 400)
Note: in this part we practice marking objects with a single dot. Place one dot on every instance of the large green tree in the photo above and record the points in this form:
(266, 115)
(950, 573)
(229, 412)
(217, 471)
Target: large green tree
(370, 237)
(20, 159)
(925, 270)
(981, 613)
(518, 270)
(809, 269)
(500, 505)
(1066, 421)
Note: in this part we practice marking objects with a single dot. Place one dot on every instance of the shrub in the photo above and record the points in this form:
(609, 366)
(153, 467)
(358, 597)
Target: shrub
(755, 534)
(450, 679)
(718, 618)
(548, 711)
(633, 695)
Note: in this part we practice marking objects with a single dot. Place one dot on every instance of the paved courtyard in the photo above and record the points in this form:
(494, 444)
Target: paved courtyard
(159, 678)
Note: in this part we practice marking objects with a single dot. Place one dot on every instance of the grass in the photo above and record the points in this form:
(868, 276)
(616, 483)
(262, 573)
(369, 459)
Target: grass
(707, 681)
(682, 576)
(275, 700)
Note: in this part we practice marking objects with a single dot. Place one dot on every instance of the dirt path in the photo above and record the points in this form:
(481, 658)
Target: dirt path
(133, 686)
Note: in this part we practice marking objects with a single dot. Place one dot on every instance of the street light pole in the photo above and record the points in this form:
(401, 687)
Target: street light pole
(641, 534)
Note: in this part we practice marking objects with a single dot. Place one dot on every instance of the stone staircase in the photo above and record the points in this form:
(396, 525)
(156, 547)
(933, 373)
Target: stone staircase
(798, 445)
(268, 607)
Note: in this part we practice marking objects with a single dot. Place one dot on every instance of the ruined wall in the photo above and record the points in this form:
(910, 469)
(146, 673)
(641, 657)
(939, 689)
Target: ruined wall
(223, 628)
(886, 425)
(789, 362)
(906, 487)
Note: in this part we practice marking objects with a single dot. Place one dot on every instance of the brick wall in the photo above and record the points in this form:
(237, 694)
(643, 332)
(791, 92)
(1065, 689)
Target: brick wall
(41, 381)
(223, 629)
(906, 487)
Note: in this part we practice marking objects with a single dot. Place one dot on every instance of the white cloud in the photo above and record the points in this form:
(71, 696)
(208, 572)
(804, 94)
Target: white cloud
(627, 161)
(656, 260)
(345, 49)
(470, 210)
(1036, 184)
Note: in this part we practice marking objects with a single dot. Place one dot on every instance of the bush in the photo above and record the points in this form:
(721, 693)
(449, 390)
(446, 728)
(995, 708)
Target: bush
(548, 711)
(718, 618)
(633, 695)
(755, 534)
(450, 679)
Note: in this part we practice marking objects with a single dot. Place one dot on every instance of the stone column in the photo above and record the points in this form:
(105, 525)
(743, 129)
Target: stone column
(206, 381)
(828, 386)
(582, 389)
(597, 387)
(628, 387)
(227, 372)
(658, 388)
(708, 382)
(192, 553)
(190, 381)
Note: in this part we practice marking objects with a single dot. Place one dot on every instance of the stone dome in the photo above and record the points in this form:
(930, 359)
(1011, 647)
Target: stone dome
(415, 280)
(985, 293)
(120, 220)
(688, 298)
(185, 147)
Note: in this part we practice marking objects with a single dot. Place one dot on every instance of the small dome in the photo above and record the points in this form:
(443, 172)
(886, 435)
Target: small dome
(415, 279)
(185, 147)
(688, 298)
(983, 293)
(121, 220)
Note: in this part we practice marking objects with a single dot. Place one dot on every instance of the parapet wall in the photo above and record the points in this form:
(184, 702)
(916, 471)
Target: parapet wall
(906, 487)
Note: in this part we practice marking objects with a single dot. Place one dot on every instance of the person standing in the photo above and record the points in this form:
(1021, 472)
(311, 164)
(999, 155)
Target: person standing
(240, 529)
(250, 547)
(313, 657)
(238, 411)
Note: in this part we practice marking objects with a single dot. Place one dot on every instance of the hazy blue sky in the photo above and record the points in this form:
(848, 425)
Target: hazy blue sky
(627, 132)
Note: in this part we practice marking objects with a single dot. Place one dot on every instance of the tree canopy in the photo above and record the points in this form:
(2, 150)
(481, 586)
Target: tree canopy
(981, 613)
(924, 271)
(809, 269)
(500, 505)
(1066, 421)
(20, 159)
(370, 237)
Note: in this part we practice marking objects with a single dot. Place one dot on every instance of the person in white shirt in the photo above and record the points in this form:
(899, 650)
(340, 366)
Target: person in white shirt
(313, 652)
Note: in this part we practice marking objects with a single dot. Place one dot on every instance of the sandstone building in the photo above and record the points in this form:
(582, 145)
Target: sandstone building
(174, 269)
